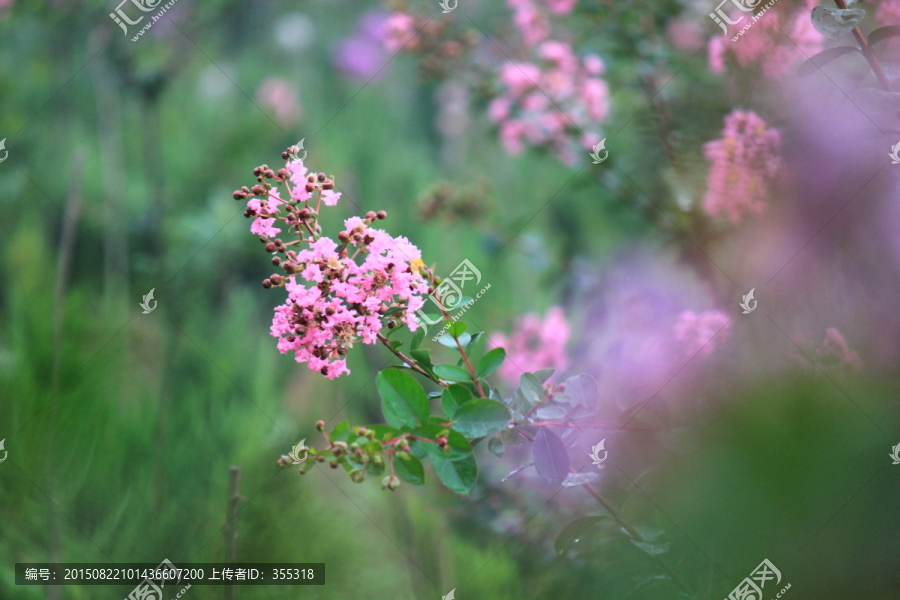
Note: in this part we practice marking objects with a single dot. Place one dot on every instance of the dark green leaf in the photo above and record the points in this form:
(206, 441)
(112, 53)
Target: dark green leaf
(490, 362)
(457, 445)
(481, 417)
(453, 397)
(410, 470)
(883, 33)
(496, 447)
(458, 475)
(403, 400)
(575, 530)
(417, 338)
(824, 57)
(452, 373)
(550, 456)
(384, 432)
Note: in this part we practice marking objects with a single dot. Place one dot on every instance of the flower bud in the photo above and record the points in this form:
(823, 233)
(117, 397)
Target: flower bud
(276, 261)
(357, 475)
(276, 279)
(391, 482)
(267, 284)
(238, 195)
(258, 190)
(320, 425)
(382, 215)
(371, 216)
(321, 177)
(270, 247)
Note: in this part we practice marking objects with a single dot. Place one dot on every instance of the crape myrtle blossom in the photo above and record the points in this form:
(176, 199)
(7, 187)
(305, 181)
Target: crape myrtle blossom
(339, 291)
(535, 344)
(557, 102)
(742, 161)
(696, 332)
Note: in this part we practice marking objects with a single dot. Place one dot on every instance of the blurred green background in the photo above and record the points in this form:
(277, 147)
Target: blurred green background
(121, 427)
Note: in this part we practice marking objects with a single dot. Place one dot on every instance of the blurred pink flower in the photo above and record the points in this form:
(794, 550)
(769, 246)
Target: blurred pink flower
(742, 161)
(697, 332)
(685, 35)
(531, 22)
(764, 44)
(280, 97)
(398, 30)
(534, 345)
(837, 353)
(363, 54)
(888, 12)
(560, 7)
(555, 102)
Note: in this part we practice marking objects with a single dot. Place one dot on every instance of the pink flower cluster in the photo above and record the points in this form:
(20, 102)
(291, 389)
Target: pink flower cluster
(764, 44)
(697, 332)
(554, 104)
(398, 30)
(534, 345)
(742, 161)
(280, 96)
(334, 299)
(531, 20)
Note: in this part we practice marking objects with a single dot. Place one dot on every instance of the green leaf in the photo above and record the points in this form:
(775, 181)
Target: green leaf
(450, 341)
(490, 362)
(384, 432)
(457, 329)
(341, 432)
(458, 475)
(452, 373)
(511, 437)
(817, 61)
(396, 344)
(403, 400)
(544, 374)
(453, 397)
(393, 310)
(410, 470)
(417, 339)
(457, 445)
(551, 459)
(481, 417)
(375, 470)
(882, 33)
(496, 447)
(532, 389)
(575, 530)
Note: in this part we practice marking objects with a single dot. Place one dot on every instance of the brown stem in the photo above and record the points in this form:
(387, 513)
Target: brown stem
(867, 52)
(469, 366)
(409, 361)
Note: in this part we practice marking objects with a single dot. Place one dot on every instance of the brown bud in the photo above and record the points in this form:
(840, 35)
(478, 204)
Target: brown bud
(310, 187)
(271, 247)
(329, 311)
(288, 268)
(238, 195)
(267, 284)
(276, 261)
(381, 215)
(270, 173)
(320, 425)
(258, 190)
(344, 236)
(371, 215)
(321, 177)
(328, 185)
(276, 279)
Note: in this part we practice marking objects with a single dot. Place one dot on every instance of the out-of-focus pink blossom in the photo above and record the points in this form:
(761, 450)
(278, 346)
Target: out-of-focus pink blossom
(281, 98)
(398, 32)
(837, 352)
(888, 12)
(531, 23)
(363, 54)
(554, 102)
(685, 35)
(764, 44)
(534, 345)
(560, 7)
(742, 163)
(701, 332)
